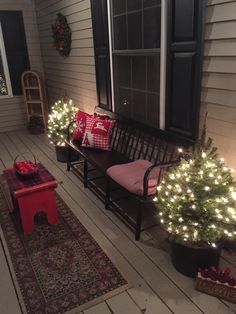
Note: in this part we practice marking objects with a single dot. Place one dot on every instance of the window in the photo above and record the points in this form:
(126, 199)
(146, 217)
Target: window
(136, 26)
(13, 36)
(5, 83)
(151, 43)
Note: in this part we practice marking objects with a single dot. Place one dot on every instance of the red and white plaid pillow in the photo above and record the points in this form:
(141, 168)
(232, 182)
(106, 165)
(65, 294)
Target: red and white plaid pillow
(78, 132)
(98, 133)
(80, 125)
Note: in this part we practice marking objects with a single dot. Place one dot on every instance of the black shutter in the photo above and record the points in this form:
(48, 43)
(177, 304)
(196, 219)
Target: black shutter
(101, 50)
(16, 47)
(184, 66)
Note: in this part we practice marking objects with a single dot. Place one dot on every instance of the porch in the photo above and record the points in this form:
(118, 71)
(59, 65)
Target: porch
(156, 287)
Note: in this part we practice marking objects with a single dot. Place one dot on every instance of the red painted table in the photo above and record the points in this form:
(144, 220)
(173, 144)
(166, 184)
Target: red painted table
(32, 196)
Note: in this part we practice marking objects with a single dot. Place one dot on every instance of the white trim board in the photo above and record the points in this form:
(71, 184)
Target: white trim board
(5, 65)
(110, 52)
(163, 57)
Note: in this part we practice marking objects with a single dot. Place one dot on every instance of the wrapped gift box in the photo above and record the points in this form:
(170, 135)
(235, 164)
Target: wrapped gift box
(216, 288)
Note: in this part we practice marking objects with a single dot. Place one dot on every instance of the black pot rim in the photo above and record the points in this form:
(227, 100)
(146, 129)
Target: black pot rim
(219, 244)
(62, 153)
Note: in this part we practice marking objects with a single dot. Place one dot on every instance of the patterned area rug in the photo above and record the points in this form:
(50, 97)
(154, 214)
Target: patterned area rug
(58, 268)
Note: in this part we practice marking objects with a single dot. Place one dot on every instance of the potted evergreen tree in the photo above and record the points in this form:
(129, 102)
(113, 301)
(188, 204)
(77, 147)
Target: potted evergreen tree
(196, 205)
(62, 113)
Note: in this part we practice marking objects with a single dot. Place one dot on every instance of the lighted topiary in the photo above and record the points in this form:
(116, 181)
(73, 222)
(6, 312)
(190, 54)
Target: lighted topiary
(63, 112)
(196, 200)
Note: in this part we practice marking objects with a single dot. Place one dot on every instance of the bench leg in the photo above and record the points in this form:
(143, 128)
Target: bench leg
(85, 173)
(68, 166)
(108, 192)
(139, 222)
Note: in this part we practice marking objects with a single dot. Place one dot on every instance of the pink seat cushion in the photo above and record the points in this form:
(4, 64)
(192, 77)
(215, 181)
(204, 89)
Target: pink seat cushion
(131, 176)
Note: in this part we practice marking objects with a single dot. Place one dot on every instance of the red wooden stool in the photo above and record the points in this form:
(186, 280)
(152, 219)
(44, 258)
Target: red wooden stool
(32, 196)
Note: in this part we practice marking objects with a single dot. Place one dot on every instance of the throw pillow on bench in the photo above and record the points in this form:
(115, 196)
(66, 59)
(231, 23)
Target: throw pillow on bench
(131, 176)
(79, 130)
(97, 133)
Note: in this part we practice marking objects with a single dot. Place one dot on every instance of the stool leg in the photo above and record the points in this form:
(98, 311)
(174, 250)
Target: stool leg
(27, 219)
(51, 208)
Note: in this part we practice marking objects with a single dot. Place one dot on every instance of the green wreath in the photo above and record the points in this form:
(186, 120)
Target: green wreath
(62, 35)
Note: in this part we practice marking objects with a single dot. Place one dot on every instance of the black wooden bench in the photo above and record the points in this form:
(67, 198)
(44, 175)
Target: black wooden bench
(130, 141)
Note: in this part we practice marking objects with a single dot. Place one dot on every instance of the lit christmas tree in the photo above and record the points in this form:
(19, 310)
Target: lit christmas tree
(196, 200)
(3, 87)
(63, 112)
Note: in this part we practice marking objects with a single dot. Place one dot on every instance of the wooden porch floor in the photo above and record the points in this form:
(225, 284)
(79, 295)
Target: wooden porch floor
(156, 287)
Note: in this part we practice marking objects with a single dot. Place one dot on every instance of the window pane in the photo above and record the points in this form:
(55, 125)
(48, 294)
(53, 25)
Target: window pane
(152, 28)
(135, 30)
(139, 106)
(153, 102)
(123, 71)
(153, 74)
(139, 72)
(119, 6)
(134, 5)
(120, 39)
(124, 102)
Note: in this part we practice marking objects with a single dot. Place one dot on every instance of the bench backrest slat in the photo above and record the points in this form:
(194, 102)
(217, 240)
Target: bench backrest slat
(146, 150)
(136, 144)
(125, 141)
(130, 143)
(114, 136)
(135, 141)
(117, 139)
(153, 148)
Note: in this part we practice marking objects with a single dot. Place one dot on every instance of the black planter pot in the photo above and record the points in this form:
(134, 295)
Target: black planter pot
(65, 153)
(36, 130)
(187, 260)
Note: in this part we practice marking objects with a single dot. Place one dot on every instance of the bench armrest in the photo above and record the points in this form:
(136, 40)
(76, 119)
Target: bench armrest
(163, 168)
(69, 129)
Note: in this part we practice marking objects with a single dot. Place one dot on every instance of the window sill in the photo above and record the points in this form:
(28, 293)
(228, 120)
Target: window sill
(6, 96)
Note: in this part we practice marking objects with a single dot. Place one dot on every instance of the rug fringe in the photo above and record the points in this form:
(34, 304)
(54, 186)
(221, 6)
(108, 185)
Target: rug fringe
(98, 300)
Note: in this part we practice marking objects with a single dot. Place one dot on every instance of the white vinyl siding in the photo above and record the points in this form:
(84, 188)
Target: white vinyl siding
(74, 74)
(219, 77)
